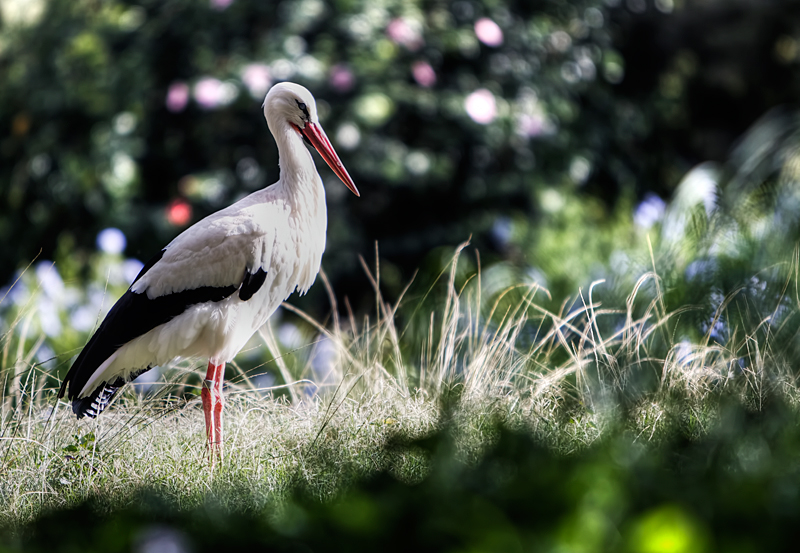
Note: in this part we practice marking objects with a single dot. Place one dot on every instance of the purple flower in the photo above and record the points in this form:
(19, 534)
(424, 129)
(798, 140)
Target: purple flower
(111, 240)
(530, 125)
(50, 279)
(177, 96)
(342, 78)
(649, 212)
(502, 231)
(423, 74)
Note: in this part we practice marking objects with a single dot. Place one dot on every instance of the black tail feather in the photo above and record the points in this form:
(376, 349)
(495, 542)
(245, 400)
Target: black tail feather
(94, 404)
(134, 315)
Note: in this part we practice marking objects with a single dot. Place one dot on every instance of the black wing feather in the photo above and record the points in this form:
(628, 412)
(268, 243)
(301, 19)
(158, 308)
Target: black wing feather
(251, 284)
(132, 316)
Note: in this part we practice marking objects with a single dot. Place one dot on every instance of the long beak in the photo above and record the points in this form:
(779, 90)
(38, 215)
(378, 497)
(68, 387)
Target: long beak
(316, 136)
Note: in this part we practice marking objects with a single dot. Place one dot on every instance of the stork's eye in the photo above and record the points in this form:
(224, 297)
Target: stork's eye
(303, 108)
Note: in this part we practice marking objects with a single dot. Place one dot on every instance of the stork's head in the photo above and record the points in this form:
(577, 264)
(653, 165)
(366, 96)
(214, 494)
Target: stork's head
(292, 104)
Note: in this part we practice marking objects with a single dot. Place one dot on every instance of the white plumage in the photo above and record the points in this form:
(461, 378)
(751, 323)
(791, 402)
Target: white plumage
(215, 284)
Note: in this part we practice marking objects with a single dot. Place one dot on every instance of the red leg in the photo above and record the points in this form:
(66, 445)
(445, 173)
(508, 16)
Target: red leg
(213, 400)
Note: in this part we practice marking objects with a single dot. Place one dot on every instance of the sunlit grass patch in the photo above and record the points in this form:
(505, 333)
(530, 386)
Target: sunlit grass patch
(332, 407)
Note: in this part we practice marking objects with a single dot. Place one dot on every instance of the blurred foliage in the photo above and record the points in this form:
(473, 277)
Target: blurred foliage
(117, 110)
(651, 144)
(548, 131)
(735, 489)
(504, 121)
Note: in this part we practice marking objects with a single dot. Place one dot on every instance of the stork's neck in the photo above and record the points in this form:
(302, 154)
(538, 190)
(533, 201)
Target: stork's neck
(298, 173)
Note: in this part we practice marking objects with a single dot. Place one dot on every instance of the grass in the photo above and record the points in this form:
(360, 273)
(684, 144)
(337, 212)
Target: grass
(654, 411)
(564, 375)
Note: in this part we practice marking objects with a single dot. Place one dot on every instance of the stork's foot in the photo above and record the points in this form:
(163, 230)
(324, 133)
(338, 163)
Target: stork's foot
(214, 452)
(213, 401)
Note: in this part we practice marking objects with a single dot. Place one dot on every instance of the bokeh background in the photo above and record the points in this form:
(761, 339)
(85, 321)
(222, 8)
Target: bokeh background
(552, 134)
(569, 141)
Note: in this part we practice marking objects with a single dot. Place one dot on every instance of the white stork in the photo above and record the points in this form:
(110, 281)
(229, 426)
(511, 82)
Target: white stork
(212, 287)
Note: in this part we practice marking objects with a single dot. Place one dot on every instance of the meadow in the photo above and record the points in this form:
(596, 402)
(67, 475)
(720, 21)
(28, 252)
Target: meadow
(472, 411)
(598, 348)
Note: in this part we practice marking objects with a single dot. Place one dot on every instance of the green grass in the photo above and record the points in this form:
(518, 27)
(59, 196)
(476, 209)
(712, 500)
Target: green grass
(656, 410)
(571, 378)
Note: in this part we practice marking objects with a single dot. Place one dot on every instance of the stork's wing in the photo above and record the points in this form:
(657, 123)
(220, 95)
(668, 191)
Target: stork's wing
(132, 316)
(197, 267)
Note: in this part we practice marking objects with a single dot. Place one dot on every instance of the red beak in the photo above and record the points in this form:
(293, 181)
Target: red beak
(314, 134)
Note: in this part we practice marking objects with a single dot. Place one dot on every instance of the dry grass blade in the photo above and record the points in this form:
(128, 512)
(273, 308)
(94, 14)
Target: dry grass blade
(506, 353)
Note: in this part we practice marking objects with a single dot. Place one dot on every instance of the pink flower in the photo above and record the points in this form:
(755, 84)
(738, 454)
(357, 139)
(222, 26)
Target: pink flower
(488, 32)
(402, 32)
(423, 74)
(179, 212)
(206, 92)
(481, 106)
(221, 5)
(530, 125)
(257, 79)
(177, 97)
(342, 78)
(211, 93)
